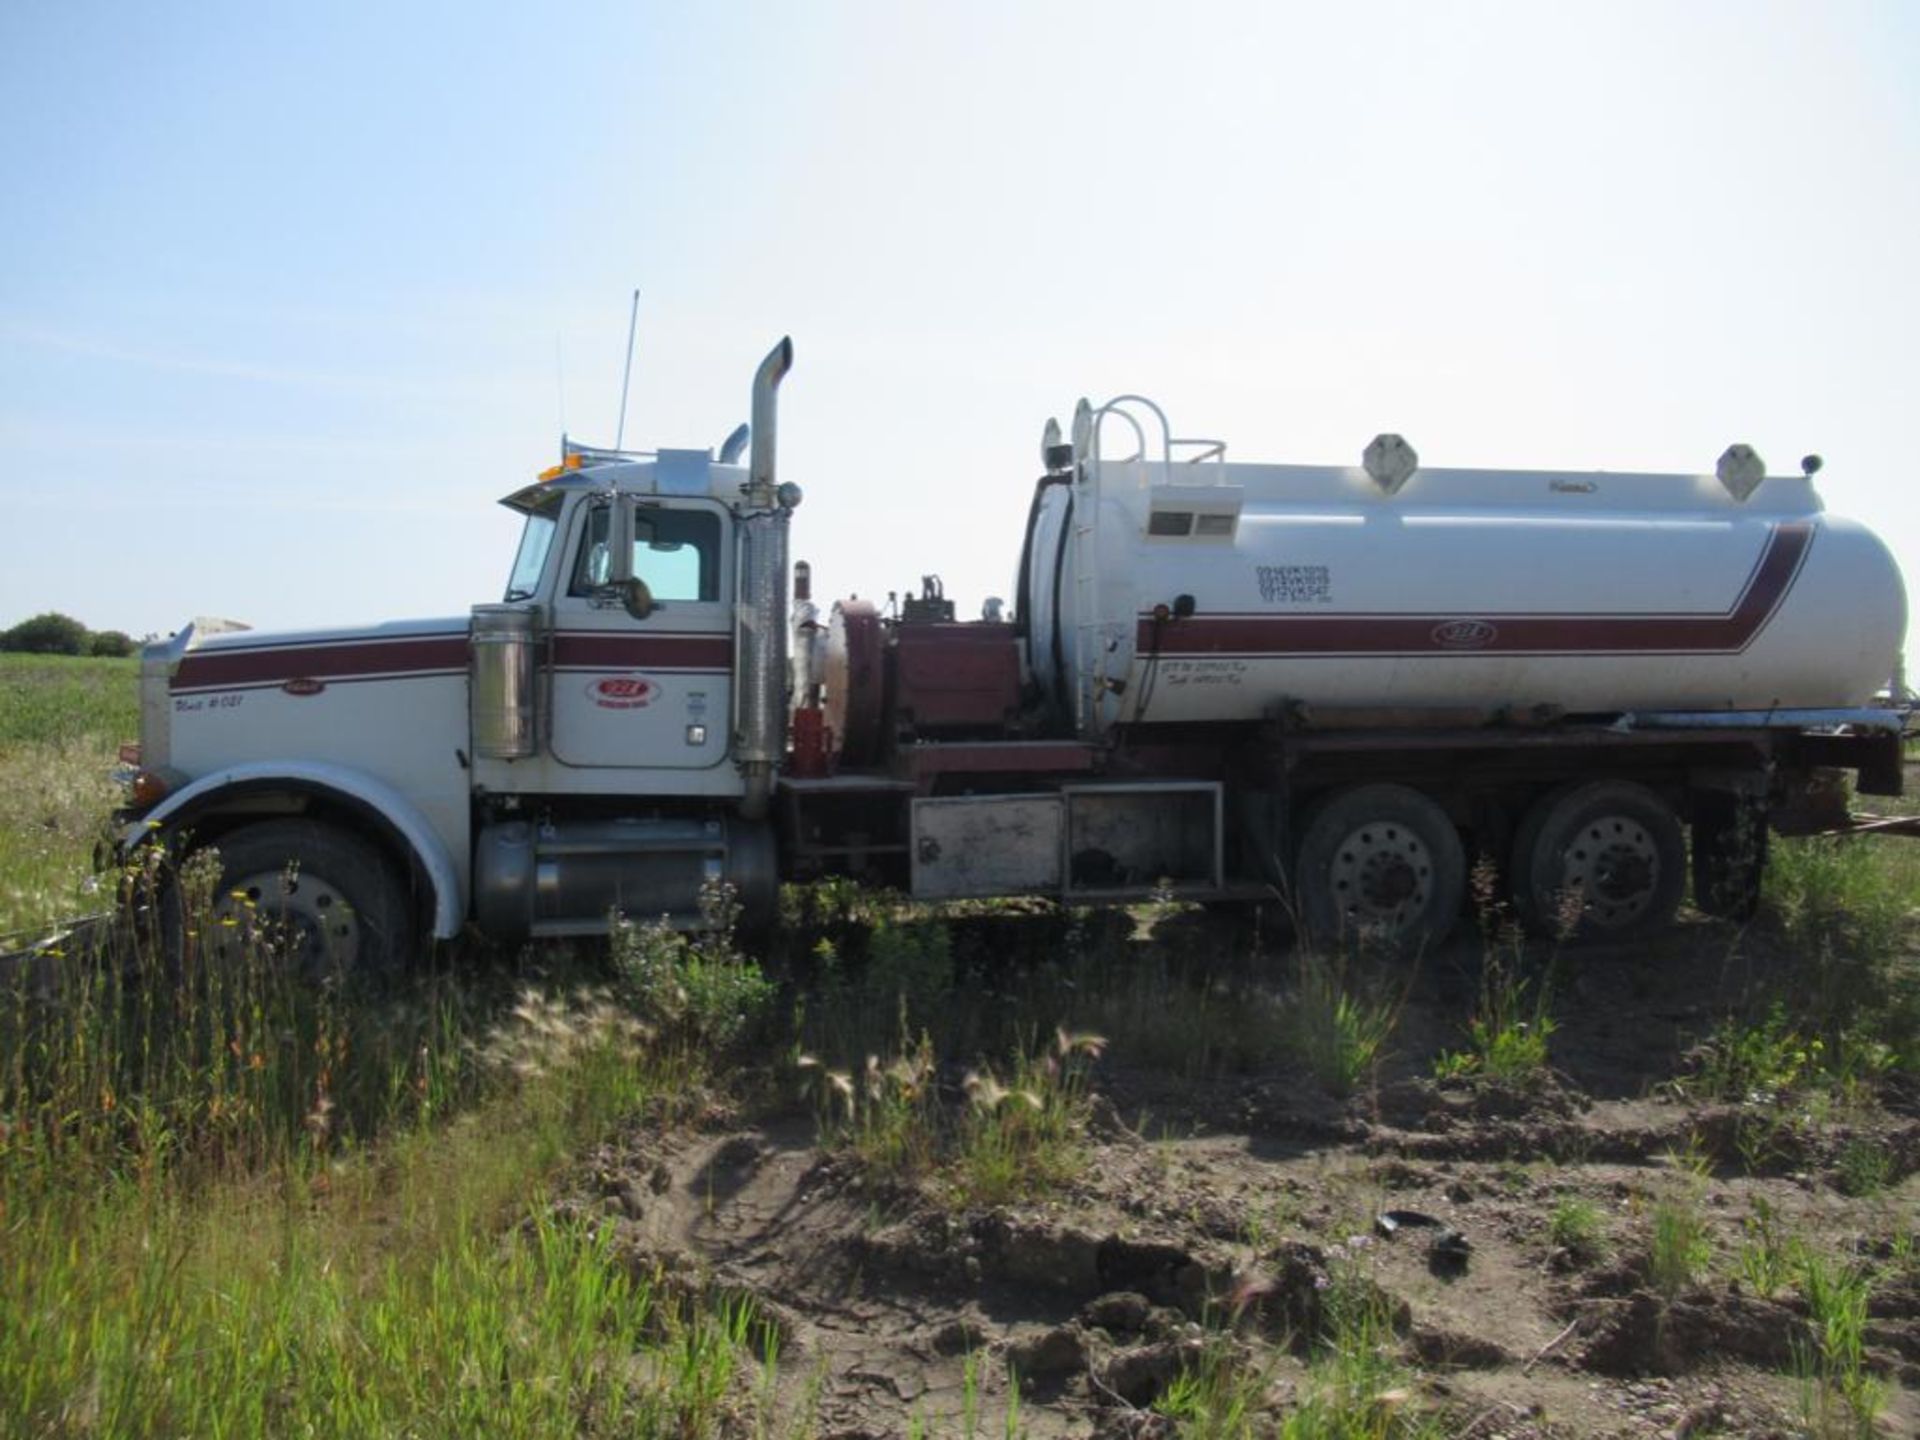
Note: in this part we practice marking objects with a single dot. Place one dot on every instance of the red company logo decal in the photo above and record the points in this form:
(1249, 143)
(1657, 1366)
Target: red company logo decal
(622, 692)
(304, 685)
(1464, 635)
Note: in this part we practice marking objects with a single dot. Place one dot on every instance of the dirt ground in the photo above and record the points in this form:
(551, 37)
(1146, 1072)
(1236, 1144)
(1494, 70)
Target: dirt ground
(1209, 1215)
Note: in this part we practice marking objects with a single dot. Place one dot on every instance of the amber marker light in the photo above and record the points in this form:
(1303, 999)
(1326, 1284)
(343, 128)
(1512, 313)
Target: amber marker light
(554, 472)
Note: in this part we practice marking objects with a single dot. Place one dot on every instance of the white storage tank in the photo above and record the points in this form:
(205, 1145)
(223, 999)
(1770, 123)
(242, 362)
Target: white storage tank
(1172, 586)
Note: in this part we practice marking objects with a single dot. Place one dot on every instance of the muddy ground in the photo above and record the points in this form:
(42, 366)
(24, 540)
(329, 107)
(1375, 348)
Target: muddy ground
(1209, 1215)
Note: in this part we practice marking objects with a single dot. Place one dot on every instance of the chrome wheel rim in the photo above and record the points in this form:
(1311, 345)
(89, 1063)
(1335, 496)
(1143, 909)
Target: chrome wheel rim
(1613, 866)
(1381, 878)
(301, 917)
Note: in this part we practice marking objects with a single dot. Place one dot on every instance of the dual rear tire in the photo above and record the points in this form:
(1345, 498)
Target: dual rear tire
(1379, 865)
(1602, 860)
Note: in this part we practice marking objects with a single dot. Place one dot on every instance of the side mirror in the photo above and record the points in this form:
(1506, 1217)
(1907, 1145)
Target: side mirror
(619, 543)
(632, 590)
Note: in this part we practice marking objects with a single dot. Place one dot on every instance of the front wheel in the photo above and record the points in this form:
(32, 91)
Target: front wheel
(328, 902)
(1603, 860)
(1380, 864)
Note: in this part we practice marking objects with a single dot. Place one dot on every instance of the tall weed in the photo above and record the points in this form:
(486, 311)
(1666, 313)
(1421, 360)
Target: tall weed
(239, 1203)
(1339, 1031)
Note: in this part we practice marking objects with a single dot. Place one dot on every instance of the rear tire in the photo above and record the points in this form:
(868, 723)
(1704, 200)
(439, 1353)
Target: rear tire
(1600, 860)
(329, 902)
(1379, 864)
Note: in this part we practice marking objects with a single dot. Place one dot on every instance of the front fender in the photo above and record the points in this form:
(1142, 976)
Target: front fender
(449, 904)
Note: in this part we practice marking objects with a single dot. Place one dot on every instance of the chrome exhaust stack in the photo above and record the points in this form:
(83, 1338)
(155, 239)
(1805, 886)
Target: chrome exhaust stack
(760, 624)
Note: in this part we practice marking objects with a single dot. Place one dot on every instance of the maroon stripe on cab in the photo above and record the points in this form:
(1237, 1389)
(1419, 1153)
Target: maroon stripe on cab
(437, 654)
(232, 669)
(1464, 633)
(604, 650)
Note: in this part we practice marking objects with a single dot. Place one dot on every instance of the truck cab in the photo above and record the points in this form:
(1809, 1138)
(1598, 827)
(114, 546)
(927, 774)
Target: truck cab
(603, 738)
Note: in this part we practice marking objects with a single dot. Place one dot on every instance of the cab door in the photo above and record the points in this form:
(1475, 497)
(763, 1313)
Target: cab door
(653, 692)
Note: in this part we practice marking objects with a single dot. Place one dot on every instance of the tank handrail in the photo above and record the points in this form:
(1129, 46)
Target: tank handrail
(1170, 445)
(1204, 449)
(1115, 407)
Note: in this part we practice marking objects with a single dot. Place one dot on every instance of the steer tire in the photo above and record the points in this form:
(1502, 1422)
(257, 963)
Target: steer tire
(1601, 860)
(1379, 865)
(320, 901)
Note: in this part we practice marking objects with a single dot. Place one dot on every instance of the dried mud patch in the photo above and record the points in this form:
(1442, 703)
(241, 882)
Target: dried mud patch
(1212, 1215)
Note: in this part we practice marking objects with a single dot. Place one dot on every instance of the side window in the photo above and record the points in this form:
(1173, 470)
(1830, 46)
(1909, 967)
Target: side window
(677, 552)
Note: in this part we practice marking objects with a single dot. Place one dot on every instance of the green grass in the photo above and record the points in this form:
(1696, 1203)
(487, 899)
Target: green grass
(59, 699)
(1768, 1253)
(1023, 1139)
(236, 1205)
(61, 721)
(1845, 896)
(1578, 1227)
(1839, 1396)
(1018, 1135)
(1679, 1244)
(1337, 1029)
(1509, 1033)
(1355, 1388)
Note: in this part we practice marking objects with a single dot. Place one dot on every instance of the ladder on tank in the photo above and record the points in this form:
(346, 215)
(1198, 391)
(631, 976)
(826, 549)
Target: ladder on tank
(1176, 464)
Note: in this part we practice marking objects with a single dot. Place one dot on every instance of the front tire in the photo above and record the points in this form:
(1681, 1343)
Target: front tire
(330, 901)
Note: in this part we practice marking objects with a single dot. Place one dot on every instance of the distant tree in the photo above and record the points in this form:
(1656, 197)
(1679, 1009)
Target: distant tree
(116, 643)
(48, 634)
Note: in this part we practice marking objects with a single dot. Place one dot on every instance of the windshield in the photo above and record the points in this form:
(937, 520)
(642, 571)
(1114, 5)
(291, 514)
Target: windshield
(535, 541)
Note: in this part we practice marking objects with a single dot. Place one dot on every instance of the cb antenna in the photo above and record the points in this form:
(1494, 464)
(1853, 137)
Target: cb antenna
(626, 376)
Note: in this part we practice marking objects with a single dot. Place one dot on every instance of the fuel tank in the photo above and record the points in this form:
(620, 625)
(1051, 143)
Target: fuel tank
(1164, 590)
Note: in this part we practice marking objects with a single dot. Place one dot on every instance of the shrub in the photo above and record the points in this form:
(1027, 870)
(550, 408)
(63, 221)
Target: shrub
(116, 644)
(696, 990)
(49, 634)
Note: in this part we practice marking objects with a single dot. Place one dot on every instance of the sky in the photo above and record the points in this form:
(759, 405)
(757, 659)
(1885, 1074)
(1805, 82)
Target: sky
(290, 295)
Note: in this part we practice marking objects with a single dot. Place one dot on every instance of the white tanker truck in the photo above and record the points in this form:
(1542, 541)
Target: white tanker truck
(1322, 687)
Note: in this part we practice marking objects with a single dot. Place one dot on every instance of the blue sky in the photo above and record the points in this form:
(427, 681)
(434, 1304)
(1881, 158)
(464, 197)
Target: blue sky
(290, 294)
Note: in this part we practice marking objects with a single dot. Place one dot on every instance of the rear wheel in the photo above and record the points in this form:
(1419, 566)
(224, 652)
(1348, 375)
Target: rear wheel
(1603, 860)
(1380, 864)
(327, 902)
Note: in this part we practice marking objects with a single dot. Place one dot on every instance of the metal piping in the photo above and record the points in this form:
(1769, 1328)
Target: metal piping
(760, 714)
(766, 380)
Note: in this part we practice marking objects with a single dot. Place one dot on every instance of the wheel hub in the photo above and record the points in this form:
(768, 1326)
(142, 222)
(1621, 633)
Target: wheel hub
(1613, 864)
(306, 920)
(1382, 877)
